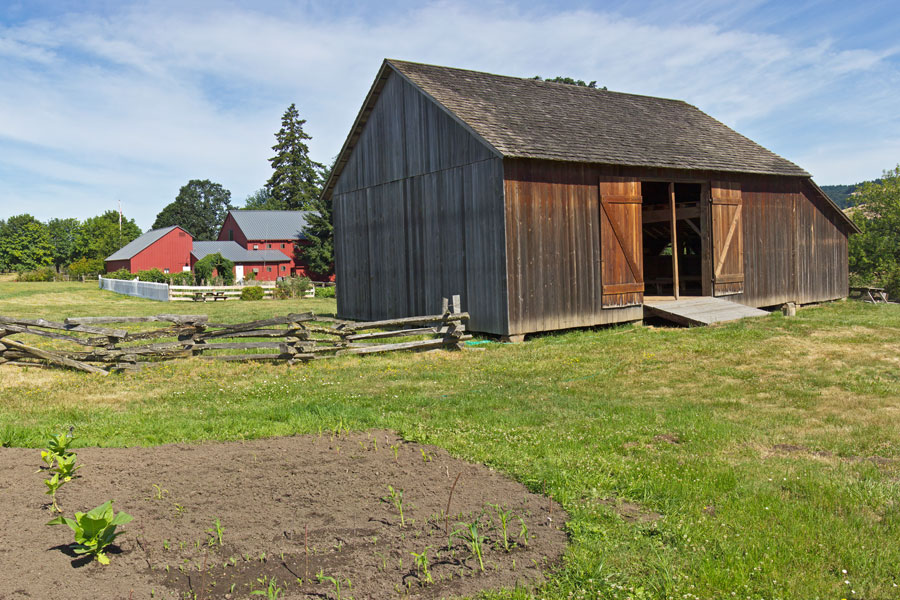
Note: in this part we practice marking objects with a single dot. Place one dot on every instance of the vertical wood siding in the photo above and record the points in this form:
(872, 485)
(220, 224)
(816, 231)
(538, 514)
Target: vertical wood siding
(822, 249)
(553, 248)
(418, 215)
(794, 246)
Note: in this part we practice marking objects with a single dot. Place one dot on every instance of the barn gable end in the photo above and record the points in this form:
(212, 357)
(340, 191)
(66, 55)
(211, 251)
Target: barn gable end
(418, 201)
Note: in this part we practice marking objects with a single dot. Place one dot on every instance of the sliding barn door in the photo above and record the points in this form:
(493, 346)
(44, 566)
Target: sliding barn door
(621, 248)
(727, 238)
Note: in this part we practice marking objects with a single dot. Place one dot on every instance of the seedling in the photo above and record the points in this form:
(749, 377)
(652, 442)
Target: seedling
(159, 492)
(215, 533)
(421, 561)
(474, 540)
(396, 497)
(94, 530)
(335, 581)
(271, 591)
(396, 449)
(523, 531)
(504, 516)
(53, 484)
(425, 457)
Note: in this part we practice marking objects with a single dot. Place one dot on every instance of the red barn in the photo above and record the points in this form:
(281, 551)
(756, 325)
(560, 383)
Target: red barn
(266, 265)
(166, 249)
(258, 230)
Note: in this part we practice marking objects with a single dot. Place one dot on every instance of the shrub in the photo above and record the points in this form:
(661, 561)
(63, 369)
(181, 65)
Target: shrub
(183, 278)
(121, 274)
(292, 287)
(153, 275)
(42, 274)
(85, 266)
(329, 291)
(253, 292)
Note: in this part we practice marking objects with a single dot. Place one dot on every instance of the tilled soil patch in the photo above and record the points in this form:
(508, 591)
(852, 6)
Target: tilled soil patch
(310, 513)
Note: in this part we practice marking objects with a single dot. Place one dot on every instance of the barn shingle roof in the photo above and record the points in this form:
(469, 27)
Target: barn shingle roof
(132, 248)
(271, 224)
(526, 118)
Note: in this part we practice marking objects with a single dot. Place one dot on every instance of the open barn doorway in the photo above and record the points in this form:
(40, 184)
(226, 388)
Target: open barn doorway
(672, 238)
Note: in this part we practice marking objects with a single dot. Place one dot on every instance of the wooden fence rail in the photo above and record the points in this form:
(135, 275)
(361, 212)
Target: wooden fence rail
(290, 338)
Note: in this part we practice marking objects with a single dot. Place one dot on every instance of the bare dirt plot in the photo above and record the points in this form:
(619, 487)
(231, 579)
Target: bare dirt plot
(291, 508)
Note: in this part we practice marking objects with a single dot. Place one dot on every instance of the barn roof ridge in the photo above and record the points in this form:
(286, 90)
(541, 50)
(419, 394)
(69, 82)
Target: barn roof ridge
(271, 224)
(527, 118)
(142, 242)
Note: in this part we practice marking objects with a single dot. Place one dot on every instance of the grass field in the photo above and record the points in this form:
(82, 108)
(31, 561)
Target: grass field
(753, 460)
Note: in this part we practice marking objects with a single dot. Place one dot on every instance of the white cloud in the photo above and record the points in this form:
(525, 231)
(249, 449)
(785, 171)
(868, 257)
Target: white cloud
(156, 96)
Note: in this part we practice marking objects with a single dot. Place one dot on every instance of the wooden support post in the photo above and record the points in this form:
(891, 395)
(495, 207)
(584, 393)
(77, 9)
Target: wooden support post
(674, 241)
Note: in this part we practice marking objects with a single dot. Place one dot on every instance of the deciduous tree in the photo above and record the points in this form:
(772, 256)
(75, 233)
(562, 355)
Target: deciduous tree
(24, 244)
(200, 208)
(63, 234)
(875, 253)
(99, 236)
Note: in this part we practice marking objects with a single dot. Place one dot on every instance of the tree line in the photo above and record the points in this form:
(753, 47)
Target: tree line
(27, 244)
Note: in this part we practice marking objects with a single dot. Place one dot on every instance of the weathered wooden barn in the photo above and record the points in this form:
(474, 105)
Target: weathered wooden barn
(549, 206)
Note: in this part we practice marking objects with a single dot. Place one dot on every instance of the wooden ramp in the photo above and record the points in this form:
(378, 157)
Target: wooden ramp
(704, 310)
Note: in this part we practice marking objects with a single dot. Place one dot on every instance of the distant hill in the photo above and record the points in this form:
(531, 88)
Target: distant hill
(841, 194)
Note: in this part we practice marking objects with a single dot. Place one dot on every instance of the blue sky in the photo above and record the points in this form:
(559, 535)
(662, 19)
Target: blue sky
(111, 100)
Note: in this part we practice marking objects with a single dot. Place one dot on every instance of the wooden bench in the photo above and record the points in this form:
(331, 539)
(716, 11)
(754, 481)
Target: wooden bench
(874, 295)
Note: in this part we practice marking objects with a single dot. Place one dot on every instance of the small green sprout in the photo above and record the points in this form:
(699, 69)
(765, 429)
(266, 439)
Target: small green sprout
(523, 531)
(215, 533)
(474, 540)
(421, 560)
(335, 581)
(271, 590)
(95, 530)
(396, 498)
(504, 516)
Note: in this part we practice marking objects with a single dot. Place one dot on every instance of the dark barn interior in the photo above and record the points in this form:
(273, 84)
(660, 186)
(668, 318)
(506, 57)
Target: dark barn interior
(659, 266)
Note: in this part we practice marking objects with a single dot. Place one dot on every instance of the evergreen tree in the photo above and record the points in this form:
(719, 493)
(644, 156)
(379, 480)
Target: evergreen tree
(200, 208)
(297, 179)
(318, 254)
(24, 244)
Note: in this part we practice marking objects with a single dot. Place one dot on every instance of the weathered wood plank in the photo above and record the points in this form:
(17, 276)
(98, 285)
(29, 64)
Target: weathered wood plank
(389, 334)
(55, 358)
(419, 345)
(180, 319)
(404, 321)
(117, 333)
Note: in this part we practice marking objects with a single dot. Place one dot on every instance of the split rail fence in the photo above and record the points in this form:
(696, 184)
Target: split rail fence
(289, 338)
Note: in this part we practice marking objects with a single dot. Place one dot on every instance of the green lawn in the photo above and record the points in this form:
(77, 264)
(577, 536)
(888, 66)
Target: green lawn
(770, 449)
